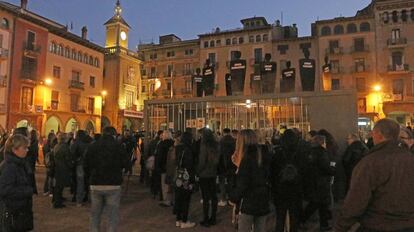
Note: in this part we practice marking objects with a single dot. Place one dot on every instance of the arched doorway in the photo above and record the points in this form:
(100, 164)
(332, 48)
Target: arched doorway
(72, 125)
(22, 123)
(89, 127)
(105, 122)
(52, 125)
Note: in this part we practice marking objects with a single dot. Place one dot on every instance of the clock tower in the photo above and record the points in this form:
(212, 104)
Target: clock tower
(117, 29)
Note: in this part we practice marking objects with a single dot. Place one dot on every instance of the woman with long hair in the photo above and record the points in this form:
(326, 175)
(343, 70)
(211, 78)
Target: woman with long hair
(15, 188)
(207, 171)
(252, 188)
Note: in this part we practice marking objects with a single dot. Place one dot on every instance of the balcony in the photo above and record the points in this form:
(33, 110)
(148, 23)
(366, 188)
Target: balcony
(397, 42)
(4, 53)
(29, 73)
(168, 74)
(360, 49)
(334, 51)
(74, 84)
(31, 50)
(360, 68)
(403, 68)
(3, 81)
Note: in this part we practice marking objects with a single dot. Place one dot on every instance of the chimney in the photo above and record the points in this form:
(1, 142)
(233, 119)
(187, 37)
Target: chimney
(84, 32)
(23, 4)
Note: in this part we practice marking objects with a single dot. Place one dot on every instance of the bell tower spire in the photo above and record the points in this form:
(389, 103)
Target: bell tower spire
(118, 9)
(117, 29)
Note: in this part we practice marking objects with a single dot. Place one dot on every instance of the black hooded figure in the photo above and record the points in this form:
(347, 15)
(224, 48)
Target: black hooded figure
(326, 75)
(287, 83)
(238, 74)
(228, 84)
(307, 71)
(198, 83)
(208, 78)
(268, 74)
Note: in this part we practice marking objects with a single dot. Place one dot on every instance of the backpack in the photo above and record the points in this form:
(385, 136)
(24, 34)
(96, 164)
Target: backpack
(182, 177)
(289, 173)
(150, 163)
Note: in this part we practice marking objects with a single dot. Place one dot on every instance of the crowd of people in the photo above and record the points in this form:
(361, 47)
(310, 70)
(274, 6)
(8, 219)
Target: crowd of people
(285, 176)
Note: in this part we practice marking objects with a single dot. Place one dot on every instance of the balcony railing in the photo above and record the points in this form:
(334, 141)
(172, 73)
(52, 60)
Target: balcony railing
(74, 84)
(31, 49)
(397, 42)
(4, 53)
(357, 49)
(334, 51)
(3, 81)
(337, 70)
(186, 91)
(399, 68)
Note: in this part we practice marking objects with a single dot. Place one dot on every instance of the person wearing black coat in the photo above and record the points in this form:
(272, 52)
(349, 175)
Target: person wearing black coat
(47, 156)
(353, 154)
(78, 150)
(184, 161)
(253, 189)
(287, 188)
(226, 168)
(155, 177)
(15, 188)
(318, 177)
(161, 165)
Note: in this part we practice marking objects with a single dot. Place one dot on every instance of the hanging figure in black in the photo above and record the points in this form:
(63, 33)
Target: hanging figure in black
(268, 75)
(208, 78)
(307, 71)
(198, 83)
(227, 79)
(238, 74)
(287, 83)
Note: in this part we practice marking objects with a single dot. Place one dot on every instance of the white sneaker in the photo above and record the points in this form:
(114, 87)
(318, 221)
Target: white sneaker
(201, 201)
(178, 223)
(188, 224)
(222, 203)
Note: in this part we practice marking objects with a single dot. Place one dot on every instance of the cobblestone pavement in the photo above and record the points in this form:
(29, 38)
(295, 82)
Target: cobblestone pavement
(138, 213)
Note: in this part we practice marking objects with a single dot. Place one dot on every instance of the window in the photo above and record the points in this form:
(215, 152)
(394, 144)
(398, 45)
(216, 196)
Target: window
(80, 56)
(359, 65)
(153, 56)
(27, 98)
(74, 102)
(326, 30)
(188, 52)
(395, 16)
(153, 72)
(60, 51)
(398, 87)
(395, 34)
(360, 84)
(386, 17)
(228, 41)
(67, 52)
(143, 89)
(97, 62)
(92, 81)
(73, 54)
(335, 66)
(206, 44)
(338, 30)
(5, 23)
(412, 14)
(29, 68)
(359, 44)
(283, 49)
(212, 58)
(130, 78)
(241, 40)
(31, 40)
(169, 86)
(52, 47)
(187, 69)
(351, 28)
(258, 38)
(404, 15)
(233, 55)
(397, 59)
(265, 37)
(129, 99)
(85, 58)
(365, 27)
(212, 43)
(75, 75)
(171, 54)
(169, 70)
(54, 100)
(90, 60)
(336, 84)
(91, 105)
(333, 46)
(251, 39)
(234, 41)
(218, 42)
(56, 71)
(258, 55)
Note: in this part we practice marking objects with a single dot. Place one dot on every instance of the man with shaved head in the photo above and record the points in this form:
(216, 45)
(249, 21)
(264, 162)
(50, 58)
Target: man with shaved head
(381, 194)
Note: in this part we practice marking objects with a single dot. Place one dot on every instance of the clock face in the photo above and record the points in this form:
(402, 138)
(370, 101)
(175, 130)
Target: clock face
(123, 35)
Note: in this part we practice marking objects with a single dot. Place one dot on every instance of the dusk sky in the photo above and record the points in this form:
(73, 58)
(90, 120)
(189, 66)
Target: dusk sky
(187, 18)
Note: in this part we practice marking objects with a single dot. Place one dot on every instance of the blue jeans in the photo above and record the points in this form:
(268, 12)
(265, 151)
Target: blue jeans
(80, 184)
(102, 200)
